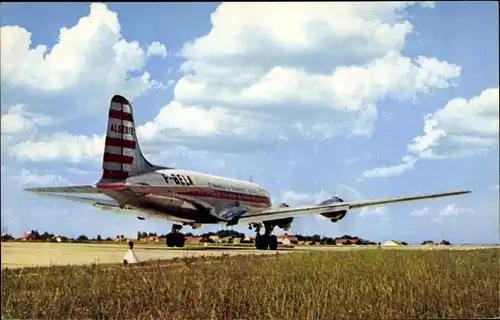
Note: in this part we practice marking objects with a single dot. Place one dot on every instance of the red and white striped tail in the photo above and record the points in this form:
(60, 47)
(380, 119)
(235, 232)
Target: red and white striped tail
(122, 155)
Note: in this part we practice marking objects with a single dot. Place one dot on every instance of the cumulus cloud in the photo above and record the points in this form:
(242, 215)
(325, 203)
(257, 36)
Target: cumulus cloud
(342, 190)
(291, 197)
(17, 120)
(254, 79)
(90, 62)
(391, 171)
(27, 177)
(451, 210)
(462, 128)
(420, 212)
(61, 146)
(374, 211)
(157, 49)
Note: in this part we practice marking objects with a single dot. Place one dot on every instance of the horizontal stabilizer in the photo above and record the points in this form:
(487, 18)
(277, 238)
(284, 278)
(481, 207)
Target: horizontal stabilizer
(68, 189)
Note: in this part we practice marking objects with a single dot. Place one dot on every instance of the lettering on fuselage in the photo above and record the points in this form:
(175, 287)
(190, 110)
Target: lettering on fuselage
(178, 179)
(118, 128)
(233, 188)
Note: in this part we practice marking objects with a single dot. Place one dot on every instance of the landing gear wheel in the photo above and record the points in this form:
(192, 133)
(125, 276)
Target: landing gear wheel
(180, 240)
(262, 242)
(175, 239)
(273, 243)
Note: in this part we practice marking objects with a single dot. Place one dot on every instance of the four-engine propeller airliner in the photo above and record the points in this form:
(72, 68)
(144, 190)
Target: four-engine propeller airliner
(131, 183)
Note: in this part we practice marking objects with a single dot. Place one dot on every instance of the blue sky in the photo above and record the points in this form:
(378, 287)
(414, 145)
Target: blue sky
(359, 100)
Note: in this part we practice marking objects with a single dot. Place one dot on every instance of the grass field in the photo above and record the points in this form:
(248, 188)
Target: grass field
(371, 284)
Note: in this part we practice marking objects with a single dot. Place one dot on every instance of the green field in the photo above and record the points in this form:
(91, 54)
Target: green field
(371, 284)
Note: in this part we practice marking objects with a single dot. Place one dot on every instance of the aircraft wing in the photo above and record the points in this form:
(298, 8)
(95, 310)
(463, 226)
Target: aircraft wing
(288, 212)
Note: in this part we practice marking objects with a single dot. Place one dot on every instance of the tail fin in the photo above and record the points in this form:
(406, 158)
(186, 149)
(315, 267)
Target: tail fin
(122, 156)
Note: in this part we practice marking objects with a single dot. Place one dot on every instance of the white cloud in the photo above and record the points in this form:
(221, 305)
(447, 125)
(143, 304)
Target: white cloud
(462, 128)
(240, 88)
(89, 63)
(254, 77)
(26, 177)
(391, 171)
(341, 190)
(291, 197)
(17, 120)
(157, 49)
(374, 211)
(420, 212)
(453, 210)
(61, 146)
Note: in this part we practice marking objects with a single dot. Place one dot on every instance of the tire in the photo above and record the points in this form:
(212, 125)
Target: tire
(273, 243)
(261, 242)
(180, 240)
(171, 240)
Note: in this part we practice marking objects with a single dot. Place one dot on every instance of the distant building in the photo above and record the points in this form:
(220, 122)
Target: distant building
(392, 243)
(193, 239)
(344, 241)
(287, 239)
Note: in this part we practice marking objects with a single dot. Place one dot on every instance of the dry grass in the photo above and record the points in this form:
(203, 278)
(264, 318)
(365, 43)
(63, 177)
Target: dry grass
(366, 284)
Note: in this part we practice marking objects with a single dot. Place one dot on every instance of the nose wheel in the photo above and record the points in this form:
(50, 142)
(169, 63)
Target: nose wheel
(175, 238)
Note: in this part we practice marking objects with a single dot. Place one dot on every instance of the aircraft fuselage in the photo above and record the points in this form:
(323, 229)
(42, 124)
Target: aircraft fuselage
(188, 196)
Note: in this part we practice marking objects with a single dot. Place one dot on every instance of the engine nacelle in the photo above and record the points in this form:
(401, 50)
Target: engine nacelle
(284, 224)
(333, 216)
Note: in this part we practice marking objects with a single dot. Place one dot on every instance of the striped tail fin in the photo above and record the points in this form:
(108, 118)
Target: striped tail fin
(122, 156)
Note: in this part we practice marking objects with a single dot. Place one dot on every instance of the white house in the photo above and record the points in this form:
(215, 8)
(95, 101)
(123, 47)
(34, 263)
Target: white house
(392, 243)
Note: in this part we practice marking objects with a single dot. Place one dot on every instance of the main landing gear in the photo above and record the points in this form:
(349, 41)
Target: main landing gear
(265, 241)
(175, 238)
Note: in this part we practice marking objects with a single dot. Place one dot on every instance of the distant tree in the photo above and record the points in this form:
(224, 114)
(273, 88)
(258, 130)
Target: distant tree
(316, 238)
(109, 239)
(99, 237)
(404, 243)
(427, 242)
(82, 238)
(445, 242)
(7, 237)
(121, 236)
(34, 235)
(329, 240)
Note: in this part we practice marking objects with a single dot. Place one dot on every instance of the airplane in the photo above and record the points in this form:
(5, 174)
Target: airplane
(131, 183)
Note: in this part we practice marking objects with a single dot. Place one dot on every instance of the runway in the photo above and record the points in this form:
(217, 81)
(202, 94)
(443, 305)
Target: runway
(32, 254)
